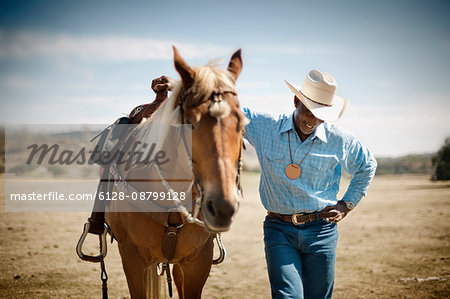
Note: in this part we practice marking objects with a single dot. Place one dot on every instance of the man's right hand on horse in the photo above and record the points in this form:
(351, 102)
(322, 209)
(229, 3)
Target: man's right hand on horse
(162, 84)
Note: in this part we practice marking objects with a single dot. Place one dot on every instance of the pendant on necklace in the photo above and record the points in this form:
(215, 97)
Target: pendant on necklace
(293, 171)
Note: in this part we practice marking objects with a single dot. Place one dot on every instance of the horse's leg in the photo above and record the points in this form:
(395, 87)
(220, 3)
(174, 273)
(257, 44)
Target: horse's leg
(195, 272)
(178, 279)
(134, 267)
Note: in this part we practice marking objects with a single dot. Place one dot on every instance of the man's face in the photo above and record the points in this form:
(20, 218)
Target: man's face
(305, 121)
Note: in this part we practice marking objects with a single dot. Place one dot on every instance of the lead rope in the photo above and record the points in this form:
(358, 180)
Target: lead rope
(190, 218)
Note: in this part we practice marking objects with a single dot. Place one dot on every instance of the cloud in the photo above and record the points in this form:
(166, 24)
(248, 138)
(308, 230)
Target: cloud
(16, 82)
(122, 48)
(394, 130)
(316, 49)
(99, 48)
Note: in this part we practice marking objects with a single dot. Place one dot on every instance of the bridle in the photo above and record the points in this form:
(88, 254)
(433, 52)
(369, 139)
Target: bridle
(216, 96)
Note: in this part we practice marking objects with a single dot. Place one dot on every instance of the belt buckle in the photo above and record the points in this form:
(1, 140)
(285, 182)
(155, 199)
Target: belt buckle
(294, 219)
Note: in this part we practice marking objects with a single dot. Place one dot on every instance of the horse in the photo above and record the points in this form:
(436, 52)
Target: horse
(206, 99)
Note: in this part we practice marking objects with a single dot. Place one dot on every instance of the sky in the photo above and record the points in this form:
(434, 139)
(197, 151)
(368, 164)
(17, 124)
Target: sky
(75, 62)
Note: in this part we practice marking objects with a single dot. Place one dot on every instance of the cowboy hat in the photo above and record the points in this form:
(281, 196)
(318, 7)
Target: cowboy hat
(318, 94)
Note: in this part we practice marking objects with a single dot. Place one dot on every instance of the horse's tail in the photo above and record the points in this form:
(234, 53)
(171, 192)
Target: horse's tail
(156, 284)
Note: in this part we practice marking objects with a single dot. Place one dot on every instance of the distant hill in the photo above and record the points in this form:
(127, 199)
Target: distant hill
(416, 164)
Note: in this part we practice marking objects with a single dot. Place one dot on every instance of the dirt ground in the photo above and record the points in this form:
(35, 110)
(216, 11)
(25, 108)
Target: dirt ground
(396, 243)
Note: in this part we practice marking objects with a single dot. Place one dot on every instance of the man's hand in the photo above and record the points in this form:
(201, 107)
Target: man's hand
(162, 84)
(336, 212)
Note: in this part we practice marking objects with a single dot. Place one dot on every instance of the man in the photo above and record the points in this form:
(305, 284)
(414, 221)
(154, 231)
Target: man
(301, 157)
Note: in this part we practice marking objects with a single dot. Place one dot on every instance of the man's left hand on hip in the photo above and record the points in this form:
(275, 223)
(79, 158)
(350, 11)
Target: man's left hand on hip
(336, 212)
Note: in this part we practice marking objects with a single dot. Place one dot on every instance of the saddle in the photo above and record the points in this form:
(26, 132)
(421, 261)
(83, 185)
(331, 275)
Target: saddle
(108, 139)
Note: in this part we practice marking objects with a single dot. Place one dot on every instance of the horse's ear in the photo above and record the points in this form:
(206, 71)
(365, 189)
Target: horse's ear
(235, 65)
(185, 71)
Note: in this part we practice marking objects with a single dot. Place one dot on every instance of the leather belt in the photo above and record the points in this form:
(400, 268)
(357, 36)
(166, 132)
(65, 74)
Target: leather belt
(299, 218)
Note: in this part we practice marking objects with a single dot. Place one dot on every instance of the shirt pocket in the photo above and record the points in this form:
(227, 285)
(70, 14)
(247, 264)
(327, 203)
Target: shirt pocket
(276, 161)
(321, 169)
(273, 156)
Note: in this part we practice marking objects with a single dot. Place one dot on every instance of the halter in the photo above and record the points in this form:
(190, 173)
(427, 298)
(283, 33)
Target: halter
(216, 96)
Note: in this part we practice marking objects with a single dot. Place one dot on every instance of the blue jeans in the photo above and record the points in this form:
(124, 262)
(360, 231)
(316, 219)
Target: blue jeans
(300, 259)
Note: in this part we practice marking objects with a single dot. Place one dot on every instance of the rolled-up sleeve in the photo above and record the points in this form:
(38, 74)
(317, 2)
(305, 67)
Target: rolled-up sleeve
(361, 164)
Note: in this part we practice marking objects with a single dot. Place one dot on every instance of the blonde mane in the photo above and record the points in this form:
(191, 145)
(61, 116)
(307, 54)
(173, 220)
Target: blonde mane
(208, 79)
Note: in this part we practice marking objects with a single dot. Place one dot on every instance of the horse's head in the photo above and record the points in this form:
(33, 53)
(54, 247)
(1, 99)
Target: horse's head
(210, 104)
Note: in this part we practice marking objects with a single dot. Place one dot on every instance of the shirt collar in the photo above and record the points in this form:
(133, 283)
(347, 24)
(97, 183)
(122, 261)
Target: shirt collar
(288, 124)
(320, 132)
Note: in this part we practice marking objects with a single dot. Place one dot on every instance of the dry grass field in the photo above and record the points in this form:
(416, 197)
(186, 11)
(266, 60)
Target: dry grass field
(395, 244)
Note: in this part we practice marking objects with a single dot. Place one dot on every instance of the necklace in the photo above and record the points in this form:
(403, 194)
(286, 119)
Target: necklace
(293, 171)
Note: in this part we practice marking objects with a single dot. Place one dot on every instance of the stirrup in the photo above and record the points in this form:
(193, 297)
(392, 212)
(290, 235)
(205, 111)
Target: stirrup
(102, 244)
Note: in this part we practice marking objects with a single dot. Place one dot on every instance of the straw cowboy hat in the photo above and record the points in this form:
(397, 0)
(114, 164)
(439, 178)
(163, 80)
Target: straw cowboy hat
(318, 93)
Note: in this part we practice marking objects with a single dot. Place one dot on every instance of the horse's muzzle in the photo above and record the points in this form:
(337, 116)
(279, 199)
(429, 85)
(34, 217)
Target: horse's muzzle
(218, 212)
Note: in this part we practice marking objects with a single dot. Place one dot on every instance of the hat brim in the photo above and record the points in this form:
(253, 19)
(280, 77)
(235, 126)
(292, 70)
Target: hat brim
(322, 112)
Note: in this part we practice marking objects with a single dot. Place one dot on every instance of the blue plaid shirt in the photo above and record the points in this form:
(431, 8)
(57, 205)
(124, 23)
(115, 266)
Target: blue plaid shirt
(318, 184)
